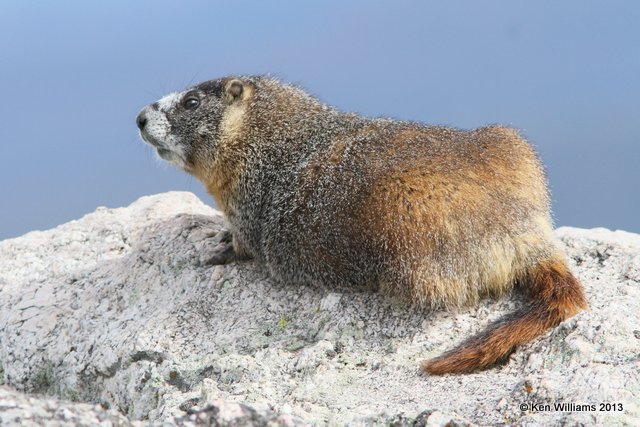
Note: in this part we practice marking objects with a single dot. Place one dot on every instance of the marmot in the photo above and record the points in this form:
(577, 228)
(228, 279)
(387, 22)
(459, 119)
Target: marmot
(433, 214)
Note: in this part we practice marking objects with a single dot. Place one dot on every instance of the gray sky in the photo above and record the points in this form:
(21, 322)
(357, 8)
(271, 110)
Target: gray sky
(73, 75)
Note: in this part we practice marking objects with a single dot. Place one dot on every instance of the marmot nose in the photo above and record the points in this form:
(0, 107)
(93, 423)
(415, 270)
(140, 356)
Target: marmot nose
(141, 120)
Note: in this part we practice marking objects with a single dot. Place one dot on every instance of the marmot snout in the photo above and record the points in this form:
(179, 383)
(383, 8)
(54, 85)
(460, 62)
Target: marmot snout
(432, 214)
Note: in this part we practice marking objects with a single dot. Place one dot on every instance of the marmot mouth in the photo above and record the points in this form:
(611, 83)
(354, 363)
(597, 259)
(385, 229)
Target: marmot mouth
(150, 140)
(164, 153)
(175, 158)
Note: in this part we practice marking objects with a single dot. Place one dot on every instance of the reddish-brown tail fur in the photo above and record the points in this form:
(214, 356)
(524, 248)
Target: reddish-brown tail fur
(555, 295)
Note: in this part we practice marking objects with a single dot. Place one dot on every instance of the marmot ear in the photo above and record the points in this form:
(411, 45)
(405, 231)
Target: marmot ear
(233, 90)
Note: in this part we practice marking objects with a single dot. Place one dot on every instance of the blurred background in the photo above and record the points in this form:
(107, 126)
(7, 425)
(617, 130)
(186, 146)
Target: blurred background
(74, 74)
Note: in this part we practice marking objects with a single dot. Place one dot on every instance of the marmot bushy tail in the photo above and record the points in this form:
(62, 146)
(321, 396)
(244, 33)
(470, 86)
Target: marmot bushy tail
(435, 215)
(555, 295)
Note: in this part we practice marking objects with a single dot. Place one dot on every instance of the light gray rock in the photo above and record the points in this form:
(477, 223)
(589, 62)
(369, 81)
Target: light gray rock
(120, 308)
(18, 409)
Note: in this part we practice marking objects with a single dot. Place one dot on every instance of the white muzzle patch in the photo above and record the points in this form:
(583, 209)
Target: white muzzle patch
(157, 131)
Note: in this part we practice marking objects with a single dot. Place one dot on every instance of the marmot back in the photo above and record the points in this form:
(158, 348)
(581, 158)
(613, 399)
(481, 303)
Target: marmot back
(430, 214)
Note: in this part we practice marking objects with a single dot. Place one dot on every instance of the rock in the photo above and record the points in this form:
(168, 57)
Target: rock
(121, 309)
(222, 413)
(18, 409)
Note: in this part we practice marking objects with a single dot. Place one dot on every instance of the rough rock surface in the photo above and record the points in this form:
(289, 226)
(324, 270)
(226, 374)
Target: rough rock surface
(121, 309)
(19, 409)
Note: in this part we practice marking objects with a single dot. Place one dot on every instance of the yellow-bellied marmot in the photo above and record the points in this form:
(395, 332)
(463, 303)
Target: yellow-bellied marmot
(432, 214)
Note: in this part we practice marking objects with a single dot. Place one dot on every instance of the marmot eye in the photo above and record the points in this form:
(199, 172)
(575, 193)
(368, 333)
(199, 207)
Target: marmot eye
(191, 103)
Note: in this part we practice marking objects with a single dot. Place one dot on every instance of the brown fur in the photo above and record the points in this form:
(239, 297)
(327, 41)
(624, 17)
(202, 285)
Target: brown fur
(431, 214)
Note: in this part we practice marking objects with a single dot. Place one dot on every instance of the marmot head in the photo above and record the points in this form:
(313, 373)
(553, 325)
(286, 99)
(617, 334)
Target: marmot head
(185, 127)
